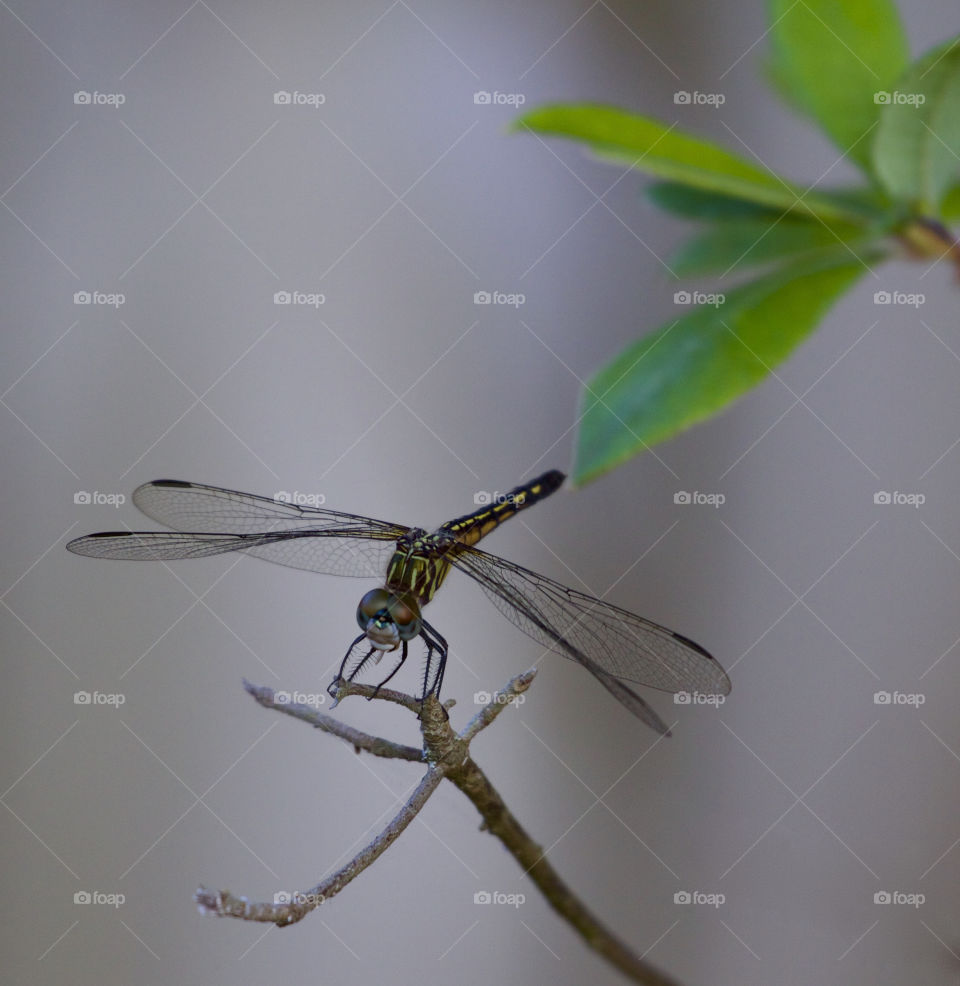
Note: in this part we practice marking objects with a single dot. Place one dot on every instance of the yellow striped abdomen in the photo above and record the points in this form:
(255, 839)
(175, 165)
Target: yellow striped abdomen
(470, 528)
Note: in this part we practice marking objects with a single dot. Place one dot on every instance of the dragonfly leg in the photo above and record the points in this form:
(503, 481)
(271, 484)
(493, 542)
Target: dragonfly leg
(351, 674)
(346, 657)
(436, 662)
(341, 674)
(403, 657)
(435, 642)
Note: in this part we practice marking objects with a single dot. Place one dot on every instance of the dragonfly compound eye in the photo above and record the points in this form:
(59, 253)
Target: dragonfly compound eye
(406, 615)
(387, 618)
(373, 605)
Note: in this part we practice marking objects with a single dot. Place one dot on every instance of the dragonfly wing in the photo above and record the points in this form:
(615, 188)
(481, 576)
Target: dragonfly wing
(607, 640)
(314, 551)
(628, 697)
(210, 509)
(211, 521)
(153, 545)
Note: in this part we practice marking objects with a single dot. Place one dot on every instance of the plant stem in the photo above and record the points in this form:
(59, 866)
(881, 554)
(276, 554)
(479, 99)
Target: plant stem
(502, 823)
(447, 754)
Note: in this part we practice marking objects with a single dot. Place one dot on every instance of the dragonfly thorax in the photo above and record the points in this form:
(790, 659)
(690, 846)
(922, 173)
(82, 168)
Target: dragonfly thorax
(387, 618)
(419, 565)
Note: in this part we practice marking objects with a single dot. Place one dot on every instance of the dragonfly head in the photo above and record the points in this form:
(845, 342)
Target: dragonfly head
(387, 618)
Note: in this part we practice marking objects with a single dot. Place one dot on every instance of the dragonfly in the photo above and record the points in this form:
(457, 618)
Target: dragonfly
(611, 643)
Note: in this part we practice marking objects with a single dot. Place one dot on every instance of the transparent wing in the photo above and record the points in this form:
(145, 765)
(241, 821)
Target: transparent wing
(605, 639)
(209, 509)
(212, 521)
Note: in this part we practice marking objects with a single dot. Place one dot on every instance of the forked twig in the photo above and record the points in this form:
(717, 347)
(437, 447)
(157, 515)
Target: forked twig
(447, 755)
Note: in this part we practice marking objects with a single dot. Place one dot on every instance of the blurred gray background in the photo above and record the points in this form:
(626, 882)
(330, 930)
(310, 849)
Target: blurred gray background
(398, 198)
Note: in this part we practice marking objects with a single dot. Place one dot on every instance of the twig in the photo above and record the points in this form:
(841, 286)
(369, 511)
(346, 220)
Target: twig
(358, 739)
(345, 688)
(447, 754)
(500, 700)
(500, 821)
(297, 905)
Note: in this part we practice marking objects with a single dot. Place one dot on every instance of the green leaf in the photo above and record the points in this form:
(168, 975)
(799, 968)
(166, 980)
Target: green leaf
(950, 206)
(867, 203)
(916, 153)
(751, 242)
(694, 203)
(863, 203)
(664, 151)
(831, 57)
(688, 370)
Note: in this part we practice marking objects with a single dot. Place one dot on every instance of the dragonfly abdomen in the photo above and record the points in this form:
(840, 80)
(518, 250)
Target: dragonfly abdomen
(470, 528)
